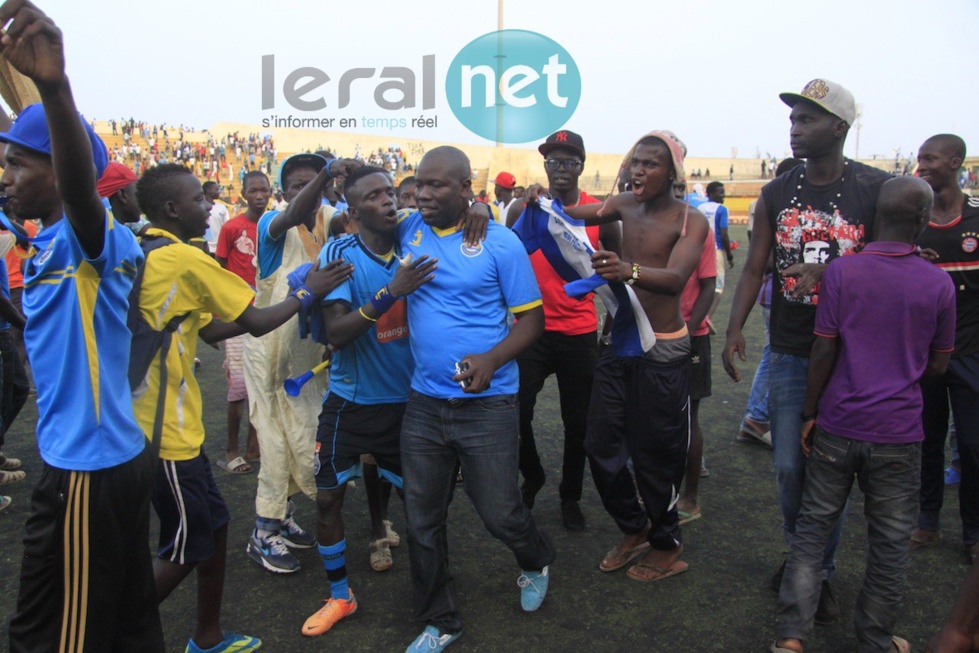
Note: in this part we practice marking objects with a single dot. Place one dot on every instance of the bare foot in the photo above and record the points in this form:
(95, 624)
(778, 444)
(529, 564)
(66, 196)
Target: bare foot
(688, 506)
(790, 644)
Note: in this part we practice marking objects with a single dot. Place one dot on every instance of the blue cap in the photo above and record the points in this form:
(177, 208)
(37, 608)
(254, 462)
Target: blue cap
(301, 160)
(30, 130)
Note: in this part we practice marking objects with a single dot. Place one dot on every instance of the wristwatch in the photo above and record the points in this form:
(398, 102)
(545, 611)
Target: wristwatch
(635, 274)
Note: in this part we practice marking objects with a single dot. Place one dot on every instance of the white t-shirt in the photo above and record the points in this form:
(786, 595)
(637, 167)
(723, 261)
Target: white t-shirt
(219, 215)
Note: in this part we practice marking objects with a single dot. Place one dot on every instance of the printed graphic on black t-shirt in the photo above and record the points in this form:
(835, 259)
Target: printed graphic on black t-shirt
(833, 220)
(812, 236)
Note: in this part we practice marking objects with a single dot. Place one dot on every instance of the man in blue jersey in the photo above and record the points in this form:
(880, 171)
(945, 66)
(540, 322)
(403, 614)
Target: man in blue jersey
(462, 409)
(86, 580)
(366, 322)
(717, 215)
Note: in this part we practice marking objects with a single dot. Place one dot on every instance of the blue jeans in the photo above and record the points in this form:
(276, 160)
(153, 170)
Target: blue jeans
(757, 408)
(786, 398)
(888, 475)
(481, 435)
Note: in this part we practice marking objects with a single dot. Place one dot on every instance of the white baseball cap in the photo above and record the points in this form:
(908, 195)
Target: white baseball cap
(828, 95)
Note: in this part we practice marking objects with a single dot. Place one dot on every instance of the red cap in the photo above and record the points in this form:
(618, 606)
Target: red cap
(506, 180)
(115, 177)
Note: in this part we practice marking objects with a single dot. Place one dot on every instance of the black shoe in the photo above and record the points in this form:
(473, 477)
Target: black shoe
(530, 488)
(776, 582)
(571, 515)
(827, 612)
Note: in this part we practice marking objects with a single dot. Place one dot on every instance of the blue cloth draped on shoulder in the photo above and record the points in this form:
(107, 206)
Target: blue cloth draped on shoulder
(311, 320)
(39, 241)
(564, 243)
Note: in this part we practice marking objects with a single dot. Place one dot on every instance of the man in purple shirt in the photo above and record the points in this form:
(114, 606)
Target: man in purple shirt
(884, 321)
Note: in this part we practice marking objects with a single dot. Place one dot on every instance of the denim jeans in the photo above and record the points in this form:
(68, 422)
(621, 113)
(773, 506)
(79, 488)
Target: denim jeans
(482, 436)
(757, 408)
(786, 398)
(960, 386)
(888, 475)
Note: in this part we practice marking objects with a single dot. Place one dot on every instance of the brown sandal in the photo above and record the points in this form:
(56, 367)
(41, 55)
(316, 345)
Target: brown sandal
(380, 556)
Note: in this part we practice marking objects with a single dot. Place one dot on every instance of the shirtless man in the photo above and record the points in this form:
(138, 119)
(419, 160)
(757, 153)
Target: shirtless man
(640, 400)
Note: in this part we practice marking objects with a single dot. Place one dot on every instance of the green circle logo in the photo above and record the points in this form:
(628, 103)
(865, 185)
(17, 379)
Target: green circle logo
(513, 86)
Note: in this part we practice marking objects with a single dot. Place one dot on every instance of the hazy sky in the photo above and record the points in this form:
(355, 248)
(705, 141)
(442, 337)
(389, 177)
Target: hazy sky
(711, 71)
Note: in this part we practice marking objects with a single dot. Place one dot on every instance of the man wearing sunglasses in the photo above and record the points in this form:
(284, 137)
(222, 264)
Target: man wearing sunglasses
(569, 346)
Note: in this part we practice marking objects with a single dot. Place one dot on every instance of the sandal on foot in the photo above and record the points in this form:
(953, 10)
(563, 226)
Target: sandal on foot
(687, 517)
(236, 466)
(7, 478)
(380, 557)
(9, 464)
(393, 538)
(900, 645)
(617, 558)
(659, 573)
(752, 431)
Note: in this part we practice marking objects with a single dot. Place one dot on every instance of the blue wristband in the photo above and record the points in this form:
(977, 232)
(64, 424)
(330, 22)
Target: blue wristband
(305, 297)
(383, 300)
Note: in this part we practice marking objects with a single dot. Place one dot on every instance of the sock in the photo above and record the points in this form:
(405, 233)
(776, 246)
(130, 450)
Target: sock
(335, 561)
(265, 526)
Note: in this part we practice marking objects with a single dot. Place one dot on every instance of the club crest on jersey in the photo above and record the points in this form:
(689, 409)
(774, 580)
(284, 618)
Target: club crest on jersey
(471, 250)
(43, 256)
(970, 244)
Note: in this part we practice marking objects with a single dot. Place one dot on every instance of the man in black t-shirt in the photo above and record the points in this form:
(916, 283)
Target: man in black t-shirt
(951, 240)
(805, 218)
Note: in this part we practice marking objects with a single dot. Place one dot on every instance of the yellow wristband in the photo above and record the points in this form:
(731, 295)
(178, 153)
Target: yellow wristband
(365, 315)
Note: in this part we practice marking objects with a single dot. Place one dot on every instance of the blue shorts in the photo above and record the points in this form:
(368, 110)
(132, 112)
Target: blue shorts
(347, 430)
(190, 508)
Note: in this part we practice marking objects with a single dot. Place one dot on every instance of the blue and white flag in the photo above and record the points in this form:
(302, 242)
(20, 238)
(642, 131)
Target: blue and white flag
(564, 243)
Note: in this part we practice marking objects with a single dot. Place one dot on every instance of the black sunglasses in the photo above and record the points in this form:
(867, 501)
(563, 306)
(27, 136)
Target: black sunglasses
(567, 164)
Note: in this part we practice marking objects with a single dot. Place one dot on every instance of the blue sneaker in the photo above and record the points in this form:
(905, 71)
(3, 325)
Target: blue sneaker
(952, 476)
(295, 536)
(271, 552)
(533, 589)
(432, 639)
(231, 643)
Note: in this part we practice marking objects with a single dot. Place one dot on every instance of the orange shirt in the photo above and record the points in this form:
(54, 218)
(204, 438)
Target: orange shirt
(15, 272)
(565, 315)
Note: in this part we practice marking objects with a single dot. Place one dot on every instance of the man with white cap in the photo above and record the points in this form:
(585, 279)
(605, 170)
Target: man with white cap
(825, 206)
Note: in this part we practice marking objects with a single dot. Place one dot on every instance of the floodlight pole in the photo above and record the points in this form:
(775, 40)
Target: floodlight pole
(856, 156)
(499, 72)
